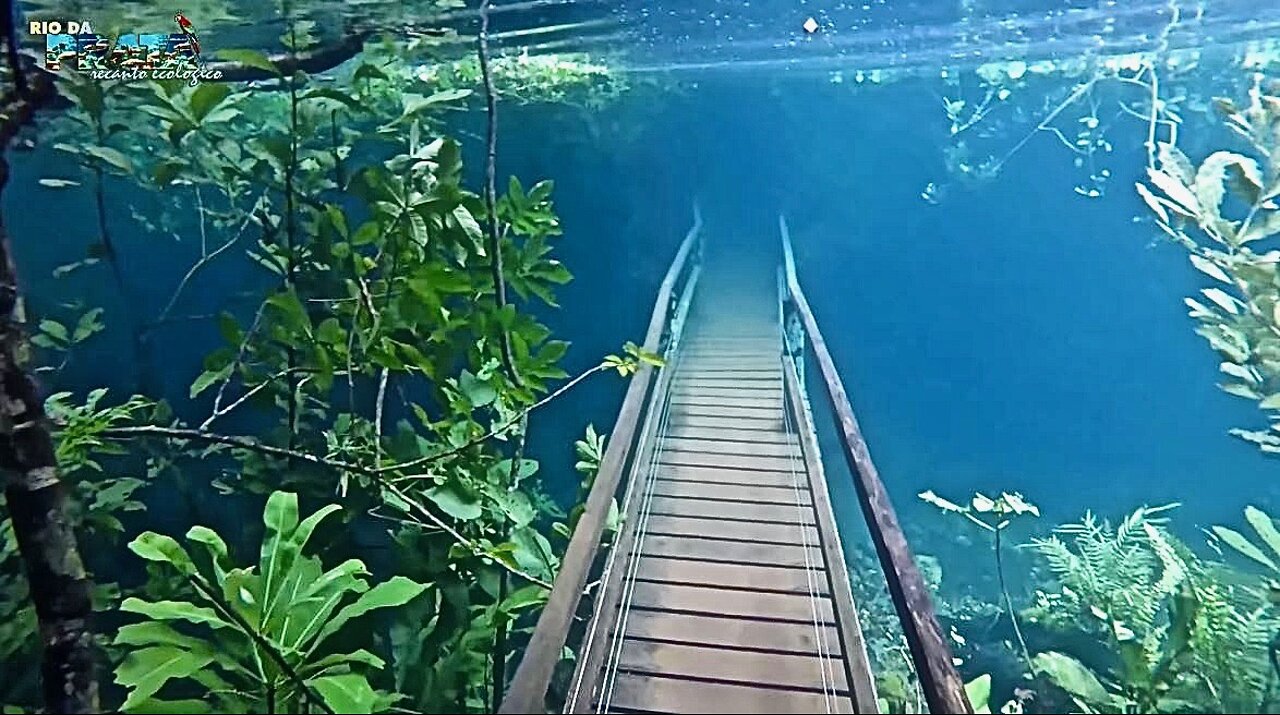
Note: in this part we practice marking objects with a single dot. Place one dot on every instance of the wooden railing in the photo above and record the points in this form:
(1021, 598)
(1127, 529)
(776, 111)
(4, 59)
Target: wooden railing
(528, 690)
(941, 684)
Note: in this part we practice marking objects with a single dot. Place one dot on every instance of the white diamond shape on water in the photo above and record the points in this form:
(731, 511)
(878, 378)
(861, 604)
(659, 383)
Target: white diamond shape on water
(810, 25)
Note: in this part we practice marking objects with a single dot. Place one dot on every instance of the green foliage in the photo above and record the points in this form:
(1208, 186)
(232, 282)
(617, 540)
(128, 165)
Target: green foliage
(1224, 212)
(231, 635)
(574, 78)
(371, 338)
(1178, 634)
(994, 516)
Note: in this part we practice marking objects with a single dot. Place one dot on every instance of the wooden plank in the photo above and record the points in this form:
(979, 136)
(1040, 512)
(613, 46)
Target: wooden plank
(757, 390)
(731, 371)
(731, 551)
(802, 581)
(701, 662)
(673, 695)
(732, 510)
(731, 530)
(711, 378)
(788, 495)
(773, 423)
(732, 461)
(686, 410)
(768, 401)
(733, 632)
(731, 602)
(689, 473)
(728, 434)
(746, 447)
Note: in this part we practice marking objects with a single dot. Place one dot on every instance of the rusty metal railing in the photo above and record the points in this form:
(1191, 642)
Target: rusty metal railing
(941, 684)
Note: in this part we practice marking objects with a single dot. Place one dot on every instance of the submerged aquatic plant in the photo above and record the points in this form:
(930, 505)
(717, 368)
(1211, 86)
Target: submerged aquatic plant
(1171, 632)
(994, 516)
(1267, 614)
(1224, 211)
(369, 358)
(257, 639)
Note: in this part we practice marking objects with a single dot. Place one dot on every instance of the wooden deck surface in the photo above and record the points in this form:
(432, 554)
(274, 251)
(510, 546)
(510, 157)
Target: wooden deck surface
(736, 605)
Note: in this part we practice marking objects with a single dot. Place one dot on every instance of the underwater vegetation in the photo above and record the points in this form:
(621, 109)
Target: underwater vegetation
(373, 375)
(334, 510)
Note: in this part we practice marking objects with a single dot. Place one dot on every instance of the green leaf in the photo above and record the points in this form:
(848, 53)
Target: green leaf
(58, 183)
(978, 691)
(250, 58)
(1237, 541)
(478, 392)
(56, 330)
(1072, 676)
(455, 502)
(1265, 527)
(346, 693)
(155, 706)
(335, 95)
(398, 591)
(207, 96)
(524, 598)
(291, 311)
(215, 547)
(414, 103)
(87, 325)
(113, 157)
(208, 378)
(468, 224)
(145, 671)
(163, 549)
(335, 660)
(152, 633)
(174, 611)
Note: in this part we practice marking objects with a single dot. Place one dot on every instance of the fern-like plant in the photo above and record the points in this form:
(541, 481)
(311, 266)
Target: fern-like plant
(256, 639)
(1173, 631)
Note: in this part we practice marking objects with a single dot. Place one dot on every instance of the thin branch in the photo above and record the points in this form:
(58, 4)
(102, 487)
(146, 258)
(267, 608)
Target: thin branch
(205, 257)
(378, 476)
(429, 459)
(491, 191)
(240, 354)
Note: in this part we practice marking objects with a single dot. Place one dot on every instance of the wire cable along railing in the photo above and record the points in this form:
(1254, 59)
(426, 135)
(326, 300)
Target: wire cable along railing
(941, 684)
(528, 690)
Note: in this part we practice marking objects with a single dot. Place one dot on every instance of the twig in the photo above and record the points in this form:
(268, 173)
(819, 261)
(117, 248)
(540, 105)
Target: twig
(377, 415)
(249, 393)
(429, 459)
(491, 191)
(240, 354)
(205, 257)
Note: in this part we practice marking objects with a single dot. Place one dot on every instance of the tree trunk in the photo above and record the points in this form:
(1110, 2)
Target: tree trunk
(36, 498)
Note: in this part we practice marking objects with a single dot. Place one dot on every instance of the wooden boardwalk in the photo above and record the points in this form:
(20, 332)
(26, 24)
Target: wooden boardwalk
(733, 594)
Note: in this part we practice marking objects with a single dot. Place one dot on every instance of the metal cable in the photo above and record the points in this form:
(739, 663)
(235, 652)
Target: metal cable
(811, 574)
(642, 527)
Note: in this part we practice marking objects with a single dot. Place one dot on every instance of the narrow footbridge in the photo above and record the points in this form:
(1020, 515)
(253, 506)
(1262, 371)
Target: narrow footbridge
(725, 589)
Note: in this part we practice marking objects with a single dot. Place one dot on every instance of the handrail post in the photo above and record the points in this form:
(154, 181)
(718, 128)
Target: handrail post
(528, 690)
(942, 686)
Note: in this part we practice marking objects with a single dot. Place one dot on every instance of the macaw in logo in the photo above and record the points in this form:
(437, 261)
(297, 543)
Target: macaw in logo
(185, 26)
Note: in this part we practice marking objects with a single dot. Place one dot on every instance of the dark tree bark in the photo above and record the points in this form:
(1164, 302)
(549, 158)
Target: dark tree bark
(36, 498)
